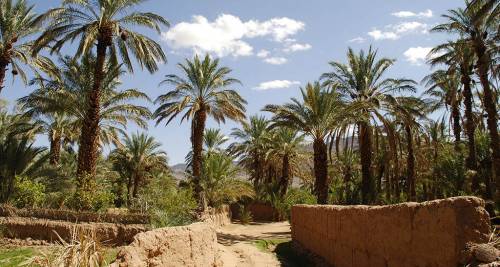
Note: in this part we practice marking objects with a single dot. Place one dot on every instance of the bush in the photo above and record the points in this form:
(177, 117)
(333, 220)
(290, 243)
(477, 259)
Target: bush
(245, 215)
(166, 204)
(28, 194)
(294, 196)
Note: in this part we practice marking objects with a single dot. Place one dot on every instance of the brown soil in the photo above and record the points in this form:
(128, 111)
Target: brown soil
(237, 248)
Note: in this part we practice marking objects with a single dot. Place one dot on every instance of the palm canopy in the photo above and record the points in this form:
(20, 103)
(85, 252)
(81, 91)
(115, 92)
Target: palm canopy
(69, 97)
(109, 22)
(362, 85)
(204, 88)
(444, 87)
(19, 22)
(315, 115)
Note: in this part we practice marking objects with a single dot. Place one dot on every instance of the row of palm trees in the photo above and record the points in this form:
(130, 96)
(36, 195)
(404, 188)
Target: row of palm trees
(79, 102)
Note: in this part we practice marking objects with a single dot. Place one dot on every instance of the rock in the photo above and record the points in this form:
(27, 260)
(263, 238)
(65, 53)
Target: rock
(493, 264)
(486, 253)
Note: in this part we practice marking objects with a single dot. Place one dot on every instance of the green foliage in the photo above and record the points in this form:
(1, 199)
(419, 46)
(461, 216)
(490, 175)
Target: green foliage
(245, 215)
(28, 194)
(294, 196)
(167, 204)
(90, 196)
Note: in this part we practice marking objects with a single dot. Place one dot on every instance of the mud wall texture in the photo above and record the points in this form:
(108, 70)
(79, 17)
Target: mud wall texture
(49, 230)
(217, 217)
(260, 212)
(428, 234)
(74, 216)
(192, 245)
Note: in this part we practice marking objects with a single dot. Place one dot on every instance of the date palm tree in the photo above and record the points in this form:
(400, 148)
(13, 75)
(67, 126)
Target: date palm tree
(315, 116)
(366, 92)
(18, 22)
(478, 26)
(285, 144)
(446, 90)
(107, 25)
(68, 96)
(459, 58)
(136, 159)
(203, 91)
(251, 147)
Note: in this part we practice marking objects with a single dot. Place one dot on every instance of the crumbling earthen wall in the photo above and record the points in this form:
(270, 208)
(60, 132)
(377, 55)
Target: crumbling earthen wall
(192, 245)
(429, 234)
(217, 217)
(50, 230)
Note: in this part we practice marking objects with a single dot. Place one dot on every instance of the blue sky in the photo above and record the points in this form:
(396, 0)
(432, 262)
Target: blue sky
(276, 46)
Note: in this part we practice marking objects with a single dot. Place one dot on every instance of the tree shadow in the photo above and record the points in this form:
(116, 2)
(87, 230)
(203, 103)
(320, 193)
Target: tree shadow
(288, 257)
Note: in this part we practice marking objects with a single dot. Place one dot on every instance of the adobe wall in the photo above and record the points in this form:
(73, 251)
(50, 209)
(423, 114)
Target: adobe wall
(42, 229)
(192, 245)
(428, 234)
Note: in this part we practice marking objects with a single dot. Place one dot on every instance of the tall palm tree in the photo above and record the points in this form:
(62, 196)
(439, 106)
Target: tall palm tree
(366, 92)
(251, 147)
(68, 96)
(104, 24)
(445, 87)
(315, 116)
(406, 112)
(459, 57)
(478, 25)
(18, 22)
(285, 145)
(136, 159)
(213, 140)
(203, 91)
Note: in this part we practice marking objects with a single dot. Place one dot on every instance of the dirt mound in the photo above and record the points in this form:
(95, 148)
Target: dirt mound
(192, 245)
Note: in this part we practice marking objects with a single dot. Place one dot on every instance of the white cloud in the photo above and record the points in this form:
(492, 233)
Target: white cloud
(358, 40)
(394, 32)
(296, 47)
(276, 60)
(225, 36)
(276, 84)
(417, 55)
(263, 53)
(408, 14)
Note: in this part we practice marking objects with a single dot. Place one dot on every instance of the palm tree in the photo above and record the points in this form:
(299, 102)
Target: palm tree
(285, 145)
(445, 87)
(459, 57)
(478, 25)
(136, 160)
(213, 140)
(69, 97)
(315, 116)
(366, 93)
(406, 112)
(102, 24)
(18, 23)
(203, 92)
(252, 146)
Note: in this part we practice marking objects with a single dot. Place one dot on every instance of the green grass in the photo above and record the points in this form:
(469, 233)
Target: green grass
(16, 256)
(284, 252)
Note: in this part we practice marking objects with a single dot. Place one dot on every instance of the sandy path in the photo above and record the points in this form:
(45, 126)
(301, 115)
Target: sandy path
(236, 246)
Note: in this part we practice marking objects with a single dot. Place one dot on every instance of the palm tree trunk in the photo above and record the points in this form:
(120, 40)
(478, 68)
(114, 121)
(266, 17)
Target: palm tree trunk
(470, 128)
(198, 131)
(55, 148)
(137, 180)
(130, 185)
(489, 100)
(365, 149)
(321, 170)
(411, 165)
(87, 152)
(5, 59)
(457, 129)
(3, 69)
(285, 179)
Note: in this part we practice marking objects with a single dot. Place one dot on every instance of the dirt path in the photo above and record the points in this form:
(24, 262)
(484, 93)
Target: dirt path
(237, 248)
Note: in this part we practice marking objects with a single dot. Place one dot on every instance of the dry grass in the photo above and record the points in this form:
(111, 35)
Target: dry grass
(84, 250)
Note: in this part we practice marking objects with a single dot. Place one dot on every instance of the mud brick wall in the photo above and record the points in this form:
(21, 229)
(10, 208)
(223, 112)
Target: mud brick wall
(428, 234)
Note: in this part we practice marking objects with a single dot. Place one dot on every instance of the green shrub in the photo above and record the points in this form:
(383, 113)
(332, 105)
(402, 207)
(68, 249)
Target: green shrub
(245, 215)
(294, 196)
(28, 194)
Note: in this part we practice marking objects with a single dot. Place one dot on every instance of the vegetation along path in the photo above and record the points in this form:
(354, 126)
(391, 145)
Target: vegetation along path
(252, 244)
